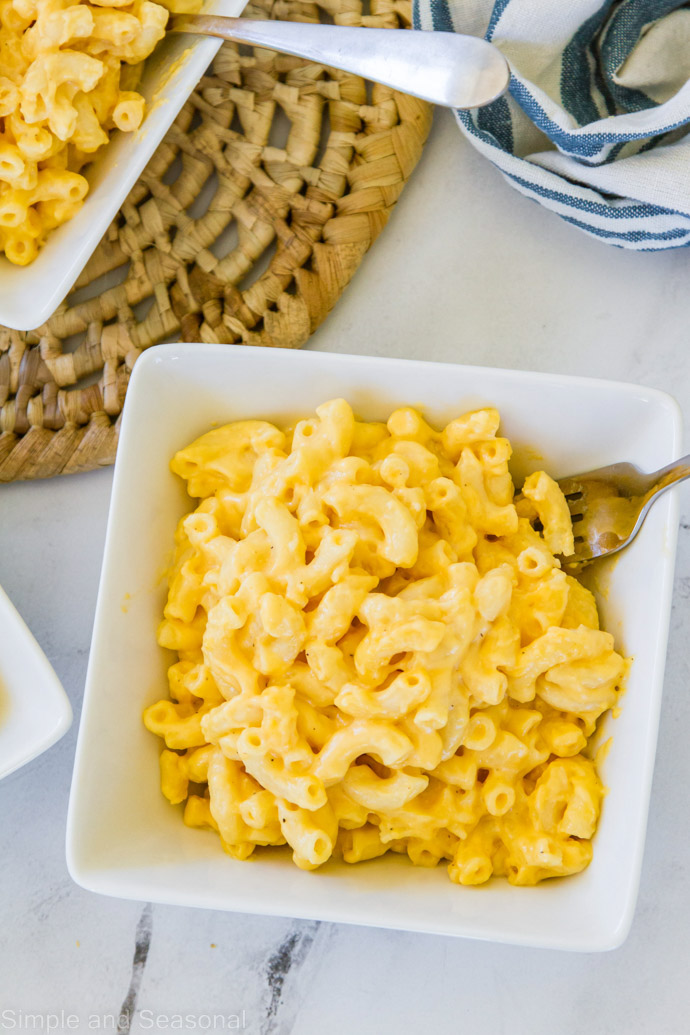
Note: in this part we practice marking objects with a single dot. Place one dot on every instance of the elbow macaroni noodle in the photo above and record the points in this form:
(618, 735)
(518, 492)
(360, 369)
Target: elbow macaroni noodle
(67, 69)
(378, 650)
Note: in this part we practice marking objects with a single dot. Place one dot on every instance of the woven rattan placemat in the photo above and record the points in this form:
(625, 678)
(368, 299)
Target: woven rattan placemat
(246, 226)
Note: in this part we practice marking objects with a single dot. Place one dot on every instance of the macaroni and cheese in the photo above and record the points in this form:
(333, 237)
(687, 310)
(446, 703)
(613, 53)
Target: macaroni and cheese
(378, 650)
(68, 71)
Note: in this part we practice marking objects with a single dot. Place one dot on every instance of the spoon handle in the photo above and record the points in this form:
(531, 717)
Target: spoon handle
(445, 68)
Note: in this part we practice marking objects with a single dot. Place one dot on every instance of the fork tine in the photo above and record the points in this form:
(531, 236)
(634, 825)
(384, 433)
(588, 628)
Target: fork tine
(582, 552)
(573, 564)
(575, 501)
(570, 484)
(575, 496)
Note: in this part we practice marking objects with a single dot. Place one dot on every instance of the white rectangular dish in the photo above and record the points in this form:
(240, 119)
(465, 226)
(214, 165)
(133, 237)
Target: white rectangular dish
(124, 839)
(29, 295)
(34, 709)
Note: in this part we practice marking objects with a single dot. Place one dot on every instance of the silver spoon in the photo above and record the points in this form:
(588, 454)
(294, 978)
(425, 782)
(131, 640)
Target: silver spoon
(442, 67)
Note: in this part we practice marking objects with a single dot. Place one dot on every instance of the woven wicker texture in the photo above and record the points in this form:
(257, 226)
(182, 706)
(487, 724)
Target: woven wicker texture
(246, 226)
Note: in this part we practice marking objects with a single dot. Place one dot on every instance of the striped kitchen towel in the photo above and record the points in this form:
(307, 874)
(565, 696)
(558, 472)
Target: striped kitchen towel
(596, 125)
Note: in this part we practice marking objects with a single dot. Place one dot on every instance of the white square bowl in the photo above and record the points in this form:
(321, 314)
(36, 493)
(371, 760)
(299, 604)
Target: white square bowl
(34, 709)
(29, 295)
(124, 839)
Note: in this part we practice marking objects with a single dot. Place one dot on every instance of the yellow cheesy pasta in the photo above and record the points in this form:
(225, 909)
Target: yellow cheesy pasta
(377, 650)
(67, 74)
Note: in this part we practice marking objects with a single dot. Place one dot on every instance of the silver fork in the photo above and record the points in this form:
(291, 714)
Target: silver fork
(609, 505)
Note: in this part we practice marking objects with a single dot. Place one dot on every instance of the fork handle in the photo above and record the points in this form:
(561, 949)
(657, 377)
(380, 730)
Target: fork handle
(663, 480)
(675, 472)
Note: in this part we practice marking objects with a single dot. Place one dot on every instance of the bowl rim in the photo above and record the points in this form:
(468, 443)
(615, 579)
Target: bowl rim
(52, 692)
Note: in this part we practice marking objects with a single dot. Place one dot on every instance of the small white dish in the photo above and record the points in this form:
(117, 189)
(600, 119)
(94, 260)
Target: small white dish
(124, 839)
(34, 709)
(29, 295)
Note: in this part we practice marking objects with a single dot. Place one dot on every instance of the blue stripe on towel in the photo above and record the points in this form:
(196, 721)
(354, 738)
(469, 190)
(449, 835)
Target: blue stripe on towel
(440, 16)
(623, 33)
(499, 8)
(628, 235)
(616, 210)
(496, 121)
(576, 72)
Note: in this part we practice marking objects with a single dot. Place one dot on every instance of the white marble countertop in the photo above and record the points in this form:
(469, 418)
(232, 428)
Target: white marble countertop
(467, 271)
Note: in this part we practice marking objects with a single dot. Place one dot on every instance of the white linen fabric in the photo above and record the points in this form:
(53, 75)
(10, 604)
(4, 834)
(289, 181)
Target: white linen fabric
(596, 124)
